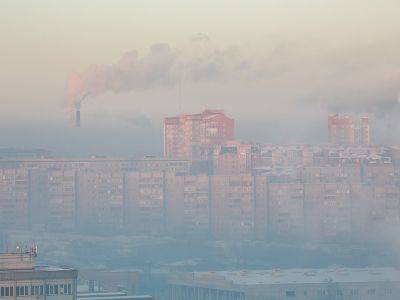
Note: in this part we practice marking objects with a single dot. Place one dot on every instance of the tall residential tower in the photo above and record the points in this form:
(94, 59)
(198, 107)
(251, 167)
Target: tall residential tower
(193, 136)
(348, 130)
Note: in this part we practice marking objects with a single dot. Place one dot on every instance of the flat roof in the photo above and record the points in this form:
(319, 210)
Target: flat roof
(100, 294)
(37, 269)
(138, 297)
(90, 159)
(290, 276)
(38, 273)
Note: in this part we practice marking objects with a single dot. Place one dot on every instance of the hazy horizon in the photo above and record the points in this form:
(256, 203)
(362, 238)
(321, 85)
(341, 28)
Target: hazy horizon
(264, 62)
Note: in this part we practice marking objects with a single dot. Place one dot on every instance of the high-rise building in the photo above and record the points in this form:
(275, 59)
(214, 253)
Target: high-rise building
(341, 130)
(362, 130)
(347, 130)
(192, 136)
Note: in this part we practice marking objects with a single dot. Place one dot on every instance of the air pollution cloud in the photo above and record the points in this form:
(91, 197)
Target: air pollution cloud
(158, 68)
(360, 78)
(163, 66)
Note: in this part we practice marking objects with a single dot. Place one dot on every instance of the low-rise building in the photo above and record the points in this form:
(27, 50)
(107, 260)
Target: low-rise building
(21, 279)
(275, 284)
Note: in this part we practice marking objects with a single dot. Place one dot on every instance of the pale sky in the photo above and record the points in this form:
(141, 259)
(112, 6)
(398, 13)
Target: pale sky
(311, 56)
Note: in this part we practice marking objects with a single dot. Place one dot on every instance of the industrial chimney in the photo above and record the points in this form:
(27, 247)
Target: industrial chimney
(77, 114)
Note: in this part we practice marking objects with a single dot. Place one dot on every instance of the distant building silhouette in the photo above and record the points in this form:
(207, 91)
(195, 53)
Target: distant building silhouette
(348, 130)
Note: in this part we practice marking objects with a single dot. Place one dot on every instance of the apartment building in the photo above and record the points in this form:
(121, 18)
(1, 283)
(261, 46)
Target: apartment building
(348, 130)
(191, 137)
(326, 201)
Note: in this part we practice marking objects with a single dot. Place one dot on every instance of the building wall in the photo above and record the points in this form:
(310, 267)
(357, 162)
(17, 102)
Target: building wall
(232, 208)
(62, 199)
(101, 201)
(286, 202)
(145, 202)
(39, 286)
(14, 198)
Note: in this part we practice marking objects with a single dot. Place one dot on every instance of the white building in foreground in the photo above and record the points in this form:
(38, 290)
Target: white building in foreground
(312, 284)
(20, 279)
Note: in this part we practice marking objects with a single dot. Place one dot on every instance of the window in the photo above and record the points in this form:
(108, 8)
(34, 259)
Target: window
(69, 289)
(388, 291)
(54, 289)
(354, 292)
(26, 291)
(290, 294)
(12, 291)
(2, 291)
(371, 292)
(7, 291)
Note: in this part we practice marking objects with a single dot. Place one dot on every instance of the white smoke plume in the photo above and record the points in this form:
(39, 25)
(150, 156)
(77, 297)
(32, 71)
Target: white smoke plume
(288, 73)
(162, 67)
(158, 68)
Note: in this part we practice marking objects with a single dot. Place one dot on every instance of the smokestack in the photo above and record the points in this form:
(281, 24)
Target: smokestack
(77, 114)
(78, 118)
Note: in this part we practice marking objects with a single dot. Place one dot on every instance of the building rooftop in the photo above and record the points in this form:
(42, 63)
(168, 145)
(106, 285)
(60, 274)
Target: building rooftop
(38, 269)
(21, 259)
(90, 159)
(137, 297)
(292, 276)
(100, 294)
(38, 273)
(21, 265)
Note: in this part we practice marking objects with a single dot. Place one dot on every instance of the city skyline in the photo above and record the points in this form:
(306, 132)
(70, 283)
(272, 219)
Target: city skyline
(199, 150)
